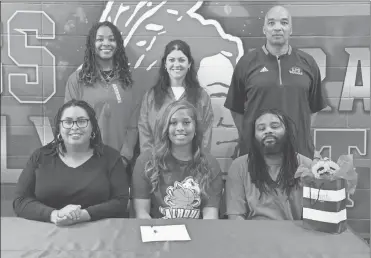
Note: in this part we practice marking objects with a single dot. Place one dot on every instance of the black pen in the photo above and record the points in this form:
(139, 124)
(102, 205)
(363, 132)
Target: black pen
(154, 230)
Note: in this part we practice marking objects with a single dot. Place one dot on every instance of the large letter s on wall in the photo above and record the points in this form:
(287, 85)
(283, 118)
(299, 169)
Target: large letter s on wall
(1, 78)
(24, 55)
(1, 64)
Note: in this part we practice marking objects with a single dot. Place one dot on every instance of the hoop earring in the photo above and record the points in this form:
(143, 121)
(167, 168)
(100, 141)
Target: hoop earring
(59, 137)
(92, 135)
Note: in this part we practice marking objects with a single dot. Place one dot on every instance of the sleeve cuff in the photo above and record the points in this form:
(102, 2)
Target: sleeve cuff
(47, 213)
(318, 108)
(91, 212)
(234, 109)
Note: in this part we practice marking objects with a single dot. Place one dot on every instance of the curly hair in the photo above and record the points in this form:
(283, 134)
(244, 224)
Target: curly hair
(199, 167)
(257, 166)
(57, 145)
(192, 85)
(89, 72)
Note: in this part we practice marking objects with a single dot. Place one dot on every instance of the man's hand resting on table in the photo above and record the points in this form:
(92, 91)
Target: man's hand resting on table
(69, 215)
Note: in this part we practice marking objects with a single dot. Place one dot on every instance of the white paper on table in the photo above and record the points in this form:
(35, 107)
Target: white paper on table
(164, 233)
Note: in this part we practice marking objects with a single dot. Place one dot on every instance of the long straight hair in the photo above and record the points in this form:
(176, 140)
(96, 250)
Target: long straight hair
(257, 166)
(192, 85)
(199, 167)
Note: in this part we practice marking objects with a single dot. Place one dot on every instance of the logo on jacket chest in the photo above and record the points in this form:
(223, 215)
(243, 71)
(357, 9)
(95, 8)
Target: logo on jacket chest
(296, 70)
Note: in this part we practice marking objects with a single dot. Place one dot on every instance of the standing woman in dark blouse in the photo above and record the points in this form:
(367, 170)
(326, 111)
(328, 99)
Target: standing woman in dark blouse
(75, 178)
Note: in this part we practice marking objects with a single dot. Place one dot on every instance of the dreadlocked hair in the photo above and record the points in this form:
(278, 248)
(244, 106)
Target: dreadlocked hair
(90, 71)
(257, 166)
(56, 146)
(198, 168)
(192, 85)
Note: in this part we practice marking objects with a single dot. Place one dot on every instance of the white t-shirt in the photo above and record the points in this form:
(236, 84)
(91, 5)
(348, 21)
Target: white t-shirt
(178, 92)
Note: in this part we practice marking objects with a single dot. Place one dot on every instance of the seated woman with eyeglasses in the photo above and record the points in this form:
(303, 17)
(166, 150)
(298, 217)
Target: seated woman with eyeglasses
(176, 178)
(75, 178)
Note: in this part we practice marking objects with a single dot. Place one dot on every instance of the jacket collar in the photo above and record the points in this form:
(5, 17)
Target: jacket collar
(265, 50)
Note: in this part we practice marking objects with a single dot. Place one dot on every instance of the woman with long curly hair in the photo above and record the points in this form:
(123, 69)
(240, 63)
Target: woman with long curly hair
(176, 178)
(177, 80)
(104, 81)
(75, 178)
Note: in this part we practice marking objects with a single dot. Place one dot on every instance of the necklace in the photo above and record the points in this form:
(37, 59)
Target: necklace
(107, 75)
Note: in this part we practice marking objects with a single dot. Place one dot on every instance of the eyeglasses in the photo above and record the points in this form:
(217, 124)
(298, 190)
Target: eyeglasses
(81, 123)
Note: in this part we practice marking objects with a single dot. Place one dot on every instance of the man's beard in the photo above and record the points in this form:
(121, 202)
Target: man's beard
(271, 148)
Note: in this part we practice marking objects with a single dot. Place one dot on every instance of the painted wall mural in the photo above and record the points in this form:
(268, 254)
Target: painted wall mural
(43, 43)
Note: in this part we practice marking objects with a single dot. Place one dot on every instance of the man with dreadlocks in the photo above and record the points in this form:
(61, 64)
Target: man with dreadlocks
(104, 81)
(261, 184)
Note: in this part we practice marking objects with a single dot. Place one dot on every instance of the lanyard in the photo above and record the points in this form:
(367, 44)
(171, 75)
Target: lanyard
(117, 93)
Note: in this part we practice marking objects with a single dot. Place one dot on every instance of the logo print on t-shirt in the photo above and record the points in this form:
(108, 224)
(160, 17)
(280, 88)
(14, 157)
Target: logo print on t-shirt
(183, 199)
(296, 70)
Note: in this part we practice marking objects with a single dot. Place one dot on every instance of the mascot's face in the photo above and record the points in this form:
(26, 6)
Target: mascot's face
(324, 167)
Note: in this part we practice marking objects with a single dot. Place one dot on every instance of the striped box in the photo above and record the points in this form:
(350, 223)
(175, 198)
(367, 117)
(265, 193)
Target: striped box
(324, 205)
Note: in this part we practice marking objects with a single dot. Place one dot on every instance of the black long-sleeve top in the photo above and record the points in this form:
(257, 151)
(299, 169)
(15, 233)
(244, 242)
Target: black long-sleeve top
(99, 185)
